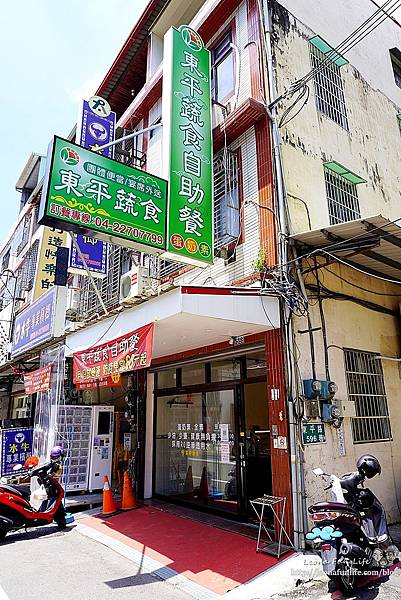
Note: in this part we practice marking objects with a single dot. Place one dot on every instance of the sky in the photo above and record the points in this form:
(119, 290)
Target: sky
(52, 55)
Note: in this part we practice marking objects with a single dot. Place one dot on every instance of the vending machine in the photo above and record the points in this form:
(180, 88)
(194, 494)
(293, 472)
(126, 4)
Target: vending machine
(73, 432)
(101, 455)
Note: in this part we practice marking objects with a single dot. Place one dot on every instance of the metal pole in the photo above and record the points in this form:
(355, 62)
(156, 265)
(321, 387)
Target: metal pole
(126, 137)
(81, 256)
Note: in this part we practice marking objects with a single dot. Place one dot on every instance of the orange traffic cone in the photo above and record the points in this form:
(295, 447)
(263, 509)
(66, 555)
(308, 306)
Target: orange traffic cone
(129, 501)
(109, 507)
(203, 486)
(189, 483)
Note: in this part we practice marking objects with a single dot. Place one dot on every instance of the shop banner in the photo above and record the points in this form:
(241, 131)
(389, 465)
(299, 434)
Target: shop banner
(94, 195)
(16, 447)
(46, 268)
(129, 352)
(96, 125)
(112, 381)
(95, 253)
(187, 146)
(37, 381)
(40, 322)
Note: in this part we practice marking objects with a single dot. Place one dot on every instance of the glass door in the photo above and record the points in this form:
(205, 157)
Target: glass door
(196, 450)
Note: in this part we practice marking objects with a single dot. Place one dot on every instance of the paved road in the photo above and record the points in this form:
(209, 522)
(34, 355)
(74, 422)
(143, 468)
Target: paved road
(47, 563)
(389, 589)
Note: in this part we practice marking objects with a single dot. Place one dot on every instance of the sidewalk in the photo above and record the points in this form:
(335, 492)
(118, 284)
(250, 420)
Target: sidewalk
(205, 561)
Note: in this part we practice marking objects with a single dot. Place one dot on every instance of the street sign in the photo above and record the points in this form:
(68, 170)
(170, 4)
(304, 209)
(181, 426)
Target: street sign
(313, 433)
(93, 195)
(187, 146)
(52, 239)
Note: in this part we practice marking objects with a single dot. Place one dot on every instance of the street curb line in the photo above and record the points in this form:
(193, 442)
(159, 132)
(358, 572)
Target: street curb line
(148, 565)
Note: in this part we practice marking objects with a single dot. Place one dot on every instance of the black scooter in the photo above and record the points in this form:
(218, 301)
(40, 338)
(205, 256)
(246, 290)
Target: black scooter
(351, 531)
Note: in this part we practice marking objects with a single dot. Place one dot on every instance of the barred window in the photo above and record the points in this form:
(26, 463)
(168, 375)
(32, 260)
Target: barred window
(227, 226)
(23, 233)
(329, 88)
(365, 385)
(342, 198)
(29, 267)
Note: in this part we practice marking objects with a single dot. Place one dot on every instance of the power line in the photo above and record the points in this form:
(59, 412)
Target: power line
(391, 17)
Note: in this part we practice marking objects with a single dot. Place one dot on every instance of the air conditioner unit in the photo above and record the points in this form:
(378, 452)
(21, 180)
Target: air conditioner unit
(134, 285)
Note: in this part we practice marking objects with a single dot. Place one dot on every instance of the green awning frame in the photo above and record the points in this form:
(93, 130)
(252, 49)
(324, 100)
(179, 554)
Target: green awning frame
(328, 51)
(344, 172)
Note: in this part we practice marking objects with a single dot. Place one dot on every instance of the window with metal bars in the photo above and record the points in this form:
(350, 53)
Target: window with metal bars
(342, 198)
(29, 267)
(329, 89)
(227, 225)
(23, 233)
(365, 385)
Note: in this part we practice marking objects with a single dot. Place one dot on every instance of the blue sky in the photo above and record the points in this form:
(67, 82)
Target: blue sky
(52, 54)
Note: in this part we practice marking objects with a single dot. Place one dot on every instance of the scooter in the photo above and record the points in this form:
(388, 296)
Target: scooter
(351, 531)
(17, 512)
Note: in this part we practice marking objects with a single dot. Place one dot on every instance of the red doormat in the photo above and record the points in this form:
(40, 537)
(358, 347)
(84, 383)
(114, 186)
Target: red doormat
(214, 558)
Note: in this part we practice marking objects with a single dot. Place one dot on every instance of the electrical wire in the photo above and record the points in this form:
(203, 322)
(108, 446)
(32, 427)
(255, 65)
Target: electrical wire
(359, 287)
(103, 334)
(346, 263)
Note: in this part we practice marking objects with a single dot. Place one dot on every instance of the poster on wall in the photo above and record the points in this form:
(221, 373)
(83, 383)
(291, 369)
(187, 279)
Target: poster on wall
(99, 197)
(37, 381)
(187, 146)
(128, 352)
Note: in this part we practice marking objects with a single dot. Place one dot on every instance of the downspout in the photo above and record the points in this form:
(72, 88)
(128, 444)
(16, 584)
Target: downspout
(295, 460)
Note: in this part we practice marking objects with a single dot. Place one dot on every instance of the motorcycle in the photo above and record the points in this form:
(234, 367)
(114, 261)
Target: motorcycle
(16, 510)
(351, 531)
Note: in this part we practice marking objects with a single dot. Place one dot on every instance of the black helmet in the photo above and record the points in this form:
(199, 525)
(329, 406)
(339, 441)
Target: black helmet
(368, 466)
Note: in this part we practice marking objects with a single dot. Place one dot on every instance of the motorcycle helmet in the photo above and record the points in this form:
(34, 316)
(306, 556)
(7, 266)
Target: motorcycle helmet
(56, 453)
(368, 466)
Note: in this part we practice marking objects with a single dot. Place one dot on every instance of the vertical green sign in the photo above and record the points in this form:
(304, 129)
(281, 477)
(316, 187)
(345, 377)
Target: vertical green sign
(187, 146)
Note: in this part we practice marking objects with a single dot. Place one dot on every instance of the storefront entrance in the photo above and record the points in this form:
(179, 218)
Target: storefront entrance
(212, 443)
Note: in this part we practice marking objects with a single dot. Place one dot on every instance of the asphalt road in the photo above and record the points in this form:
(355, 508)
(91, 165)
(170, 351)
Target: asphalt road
(387, 589)
(47, 563)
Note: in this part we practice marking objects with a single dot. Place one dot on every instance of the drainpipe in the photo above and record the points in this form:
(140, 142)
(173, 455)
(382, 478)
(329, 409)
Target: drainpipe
(295, 462)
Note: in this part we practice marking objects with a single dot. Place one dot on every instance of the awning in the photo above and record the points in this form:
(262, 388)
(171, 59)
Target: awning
(372, 244)
(187, 317)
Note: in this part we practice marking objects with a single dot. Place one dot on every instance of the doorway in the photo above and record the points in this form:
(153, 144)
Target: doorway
(212, 441)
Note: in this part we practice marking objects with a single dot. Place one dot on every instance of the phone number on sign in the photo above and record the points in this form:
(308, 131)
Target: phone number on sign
(127, 230)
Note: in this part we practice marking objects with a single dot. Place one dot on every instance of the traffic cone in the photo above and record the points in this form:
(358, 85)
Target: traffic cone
(189, 483)
(129, 501)
(109, 507)
(203, 486)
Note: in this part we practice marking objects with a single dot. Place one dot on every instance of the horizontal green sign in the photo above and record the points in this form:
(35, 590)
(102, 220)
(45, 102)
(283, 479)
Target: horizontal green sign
(88, 193)
(313, 433)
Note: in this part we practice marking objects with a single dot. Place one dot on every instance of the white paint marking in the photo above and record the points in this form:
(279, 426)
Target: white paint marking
(3, 595)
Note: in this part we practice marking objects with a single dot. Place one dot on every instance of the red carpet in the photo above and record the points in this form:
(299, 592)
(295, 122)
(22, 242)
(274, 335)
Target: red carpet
(217, 559)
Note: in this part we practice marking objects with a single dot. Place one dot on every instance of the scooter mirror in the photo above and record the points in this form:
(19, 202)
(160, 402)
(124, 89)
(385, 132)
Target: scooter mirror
(318, 471)
(17, 467)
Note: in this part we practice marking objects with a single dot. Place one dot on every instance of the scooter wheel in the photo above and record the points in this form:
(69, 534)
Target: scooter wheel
(59, 518)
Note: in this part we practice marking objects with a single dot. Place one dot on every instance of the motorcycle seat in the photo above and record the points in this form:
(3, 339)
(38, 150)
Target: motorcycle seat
(20, 490)
(332, 506)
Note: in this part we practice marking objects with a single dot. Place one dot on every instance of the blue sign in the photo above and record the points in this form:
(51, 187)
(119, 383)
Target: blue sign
(94, 129)
(95, 253)
(16, 447)
(35, 324)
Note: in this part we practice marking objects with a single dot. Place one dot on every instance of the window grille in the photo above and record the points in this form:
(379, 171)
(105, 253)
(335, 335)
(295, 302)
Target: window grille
(342, 198)
(129, 151)
(23, 233)
(365, 385)
(329, 89)
(227, 226)
(109, 287)
(29, 267)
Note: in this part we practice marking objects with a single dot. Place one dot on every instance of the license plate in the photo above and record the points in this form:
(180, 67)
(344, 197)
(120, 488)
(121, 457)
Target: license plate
(329, 559)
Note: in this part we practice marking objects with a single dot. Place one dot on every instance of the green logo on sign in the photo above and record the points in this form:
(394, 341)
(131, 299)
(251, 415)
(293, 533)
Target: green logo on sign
(69, 156)
(192, 39)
